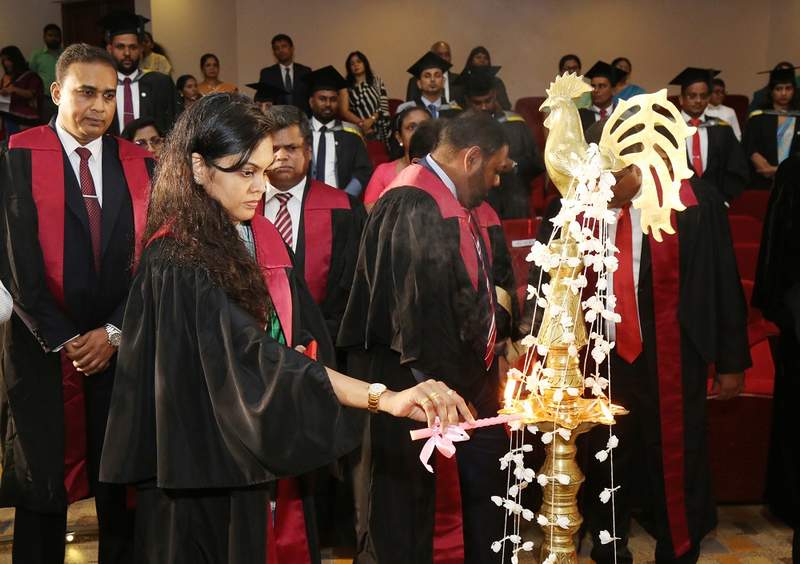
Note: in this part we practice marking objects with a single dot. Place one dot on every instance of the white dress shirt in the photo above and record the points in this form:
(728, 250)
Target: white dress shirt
(728, 114)
(703, 140)
(442, 175)
(330, 151)
(293, 206)
(95, 160)
(285, 68)
(636, 248)
(596, 110)
(135, 76)
(437, 103)
(447, 86)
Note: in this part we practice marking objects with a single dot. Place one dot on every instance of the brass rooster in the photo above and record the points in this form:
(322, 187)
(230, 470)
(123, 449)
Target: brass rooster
(646, 131)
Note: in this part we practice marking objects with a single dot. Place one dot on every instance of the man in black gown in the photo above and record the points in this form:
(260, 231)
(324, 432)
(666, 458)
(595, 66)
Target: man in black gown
(423, 304)
(713, 151)
(73, 205)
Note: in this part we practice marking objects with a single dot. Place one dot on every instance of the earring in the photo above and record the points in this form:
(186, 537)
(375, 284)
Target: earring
(401, 143)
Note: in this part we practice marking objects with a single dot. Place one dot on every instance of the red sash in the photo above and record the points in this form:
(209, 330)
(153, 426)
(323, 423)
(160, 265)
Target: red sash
(318, 234)
(448, 528)
(47, 172)
(665, 258)
(418, 176)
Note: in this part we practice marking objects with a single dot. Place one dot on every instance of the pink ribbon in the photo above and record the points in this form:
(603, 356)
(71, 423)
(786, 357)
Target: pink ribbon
(443, 442)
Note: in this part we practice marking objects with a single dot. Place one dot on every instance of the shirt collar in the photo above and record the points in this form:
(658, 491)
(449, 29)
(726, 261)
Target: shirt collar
(598, 109)
(316, 125)
(136, 75)
(296, 191)
(426, 102)
(686, 117)
(442, 175)
(288, 67)
(70, 143)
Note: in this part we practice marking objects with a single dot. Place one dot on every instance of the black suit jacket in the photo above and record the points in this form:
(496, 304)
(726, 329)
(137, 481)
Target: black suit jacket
(158, 100)
(299, 94)
(760, 136)
(456, 92)
(726, 167)
(352, 159)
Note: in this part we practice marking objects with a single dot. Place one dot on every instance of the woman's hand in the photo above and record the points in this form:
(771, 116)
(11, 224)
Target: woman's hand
(425, 402)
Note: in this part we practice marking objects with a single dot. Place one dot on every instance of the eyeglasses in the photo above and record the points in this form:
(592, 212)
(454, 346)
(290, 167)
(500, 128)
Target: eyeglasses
(151, 143)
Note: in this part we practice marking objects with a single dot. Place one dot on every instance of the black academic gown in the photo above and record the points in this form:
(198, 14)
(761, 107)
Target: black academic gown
(726, 168)
(414, 308)
(777, 294)
(760, 136)
(352, 158)
(158, 100)
(299, 94)
(32, 398)
(712, 319)
(511, 200)
(208, 410)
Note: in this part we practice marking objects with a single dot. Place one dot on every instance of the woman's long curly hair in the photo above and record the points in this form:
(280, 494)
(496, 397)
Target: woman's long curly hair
(215, 127)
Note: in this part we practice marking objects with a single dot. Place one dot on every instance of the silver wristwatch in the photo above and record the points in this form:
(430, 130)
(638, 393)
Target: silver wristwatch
(114, 335)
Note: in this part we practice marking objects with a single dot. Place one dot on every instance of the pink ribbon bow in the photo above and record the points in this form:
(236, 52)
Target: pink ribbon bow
(443, 442)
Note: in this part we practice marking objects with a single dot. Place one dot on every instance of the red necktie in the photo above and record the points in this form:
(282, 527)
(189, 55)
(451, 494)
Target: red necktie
(127, 102)
(491, 338)
(697, 155)
(93, 209)
(629, 339)
(283, 221)
(603, 113)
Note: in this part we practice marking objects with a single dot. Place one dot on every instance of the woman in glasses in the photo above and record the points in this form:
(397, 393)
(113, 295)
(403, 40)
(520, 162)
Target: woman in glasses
(145, 133)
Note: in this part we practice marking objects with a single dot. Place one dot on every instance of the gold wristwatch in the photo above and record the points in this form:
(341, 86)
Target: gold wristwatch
(374, 393)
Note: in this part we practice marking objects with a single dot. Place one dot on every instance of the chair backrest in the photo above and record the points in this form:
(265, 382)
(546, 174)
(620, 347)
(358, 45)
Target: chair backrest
(377, 152)
(520, 234)
(746, 259)
(528, 108)
(751, 202)
(745, 228)
(739, 103)
(393, 103)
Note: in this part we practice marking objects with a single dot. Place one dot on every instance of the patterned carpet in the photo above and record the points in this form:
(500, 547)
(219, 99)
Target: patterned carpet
(747, 534)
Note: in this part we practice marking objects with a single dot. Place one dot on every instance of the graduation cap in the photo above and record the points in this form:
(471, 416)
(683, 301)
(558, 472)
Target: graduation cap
(118, 23)
(429, 60)
(603, 69)
(326, 78)
(781, 75)
(267, 92)
(691, 75)
(478, 81)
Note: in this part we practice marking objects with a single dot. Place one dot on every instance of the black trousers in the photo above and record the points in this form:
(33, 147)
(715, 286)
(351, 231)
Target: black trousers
(39, 538)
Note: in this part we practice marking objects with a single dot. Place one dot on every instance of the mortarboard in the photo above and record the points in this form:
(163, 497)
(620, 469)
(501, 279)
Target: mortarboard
(118, 23)
(478, 81)
(427, 61)
(326, 78)
(602, 68)
(691, 75)
(781, 75)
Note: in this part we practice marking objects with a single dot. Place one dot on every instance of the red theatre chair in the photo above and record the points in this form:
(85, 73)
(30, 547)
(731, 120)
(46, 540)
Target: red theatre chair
(528, 108)
(746, 259)
(377, 152)
(751, 202)
(393, 103)
(520, 235)
(745, 229)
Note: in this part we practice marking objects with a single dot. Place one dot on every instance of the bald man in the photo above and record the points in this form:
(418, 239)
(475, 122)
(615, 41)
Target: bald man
(452, 92)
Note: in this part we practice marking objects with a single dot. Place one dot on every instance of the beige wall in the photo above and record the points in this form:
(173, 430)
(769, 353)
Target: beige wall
(21, 24)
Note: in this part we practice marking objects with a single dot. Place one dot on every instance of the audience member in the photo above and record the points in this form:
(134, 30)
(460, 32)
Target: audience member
(479, 57)
(187, 91)
(340, 155)
(266, 95)
(74, 205)
(144, 132)
(604, 78)
(23, 87)
(139, 94)
(43, 63)
(760, 97)
(404, 127)
(286, 73)
(623, 90)
(572, 64)
(772, 133)
(429, 71)
(366, 102)
(152, 60)
(211, 84)
(451, 90)
(713, 151)
(717, 109)
(511, 200)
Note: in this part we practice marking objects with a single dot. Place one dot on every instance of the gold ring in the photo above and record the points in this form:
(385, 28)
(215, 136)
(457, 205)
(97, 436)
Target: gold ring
(433, 396)
(424, 401)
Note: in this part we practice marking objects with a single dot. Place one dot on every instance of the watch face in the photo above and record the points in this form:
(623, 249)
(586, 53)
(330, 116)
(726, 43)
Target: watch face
(114, 339)
(376, 388)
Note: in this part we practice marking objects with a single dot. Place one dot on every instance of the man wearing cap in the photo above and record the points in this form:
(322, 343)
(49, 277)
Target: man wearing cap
(603, 79)
(340, 154)
(73, 207)
(139, 94)
(286, 73)
(713, 151)
(511, 200)
(429, 72)
(452, 91)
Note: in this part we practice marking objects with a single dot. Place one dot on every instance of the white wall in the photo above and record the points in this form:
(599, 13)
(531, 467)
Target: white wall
(22, 21)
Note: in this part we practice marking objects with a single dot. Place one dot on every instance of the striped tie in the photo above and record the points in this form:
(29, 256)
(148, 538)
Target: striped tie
(93, 210)
(283, 221)
(491, 338)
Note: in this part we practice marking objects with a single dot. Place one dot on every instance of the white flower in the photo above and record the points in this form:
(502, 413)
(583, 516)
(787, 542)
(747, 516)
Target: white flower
(533, 429)
(513, 490)
(547, 438)
(516, 539)
(602, 455)
(563, 479)
(572, 350)
(558, 395)
(551, 559)
(528, 341)
(565, 434)
(602, 283)
(563, 521)
(542, 350)
(543, 480)
(574, 392)
(542, 520)
(514, 559)
(605, 495)
(527, 546)
(527, 514)
(496, 546)
(605, 537)
(498, 501)
(532, 293)
(613, 442)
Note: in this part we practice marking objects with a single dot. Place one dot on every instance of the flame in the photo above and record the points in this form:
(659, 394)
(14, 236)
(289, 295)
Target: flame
(509, 392)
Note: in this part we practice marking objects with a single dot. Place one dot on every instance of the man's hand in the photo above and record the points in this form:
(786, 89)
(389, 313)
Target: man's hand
(90, 353)
(728, 386)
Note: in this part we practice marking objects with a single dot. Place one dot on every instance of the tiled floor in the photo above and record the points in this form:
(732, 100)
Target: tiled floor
(746, 535)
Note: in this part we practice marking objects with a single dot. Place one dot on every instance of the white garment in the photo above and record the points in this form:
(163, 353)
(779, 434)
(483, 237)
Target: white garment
(330, 151)
(135, 76)
(289, 68)
(447, 86)
(636, 248)
(293, 206)
(6, 304)
(95, 160)
(442, 175)
(703, 140)
(726, 113)
(596, 111)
